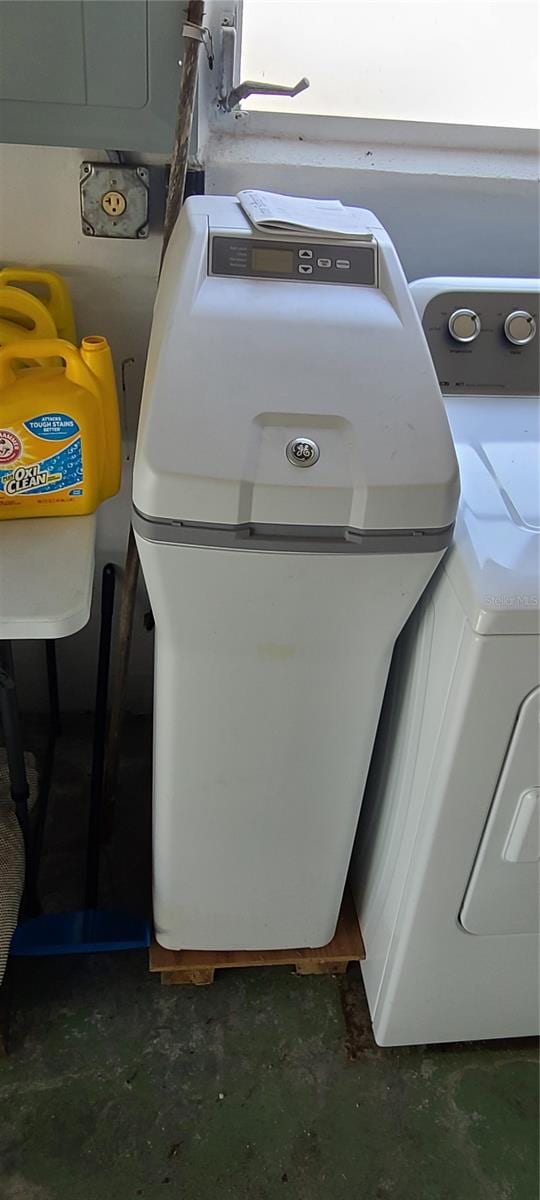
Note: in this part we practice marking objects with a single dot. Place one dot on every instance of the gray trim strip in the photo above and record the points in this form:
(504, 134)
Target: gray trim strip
(298, 539)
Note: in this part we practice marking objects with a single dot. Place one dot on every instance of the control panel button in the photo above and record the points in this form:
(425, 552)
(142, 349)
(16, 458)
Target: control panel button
(464, 325)
(343, 264)
(520, 327)
(324, 262)
(305, 253)
(305, 269)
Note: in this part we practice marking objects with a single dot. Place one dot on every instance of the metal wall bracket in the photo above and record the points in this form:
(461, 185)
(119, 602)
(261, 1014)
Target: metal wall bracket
(229, 96)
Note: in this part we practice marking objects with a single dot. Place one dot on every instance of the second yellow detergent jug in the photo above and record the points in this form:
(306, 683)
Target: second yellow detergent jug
(23, 316)
(56, 298)
(60, 444)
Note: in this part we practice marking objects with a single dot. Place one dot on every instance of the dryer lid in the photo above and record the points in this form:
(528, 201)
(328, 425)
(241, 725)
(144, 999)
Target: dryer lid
(494, 564)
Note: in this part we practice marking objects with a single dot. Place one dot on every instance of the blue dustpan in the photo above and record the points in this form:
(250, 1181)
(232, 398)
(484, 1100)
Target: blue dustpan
(88, 931)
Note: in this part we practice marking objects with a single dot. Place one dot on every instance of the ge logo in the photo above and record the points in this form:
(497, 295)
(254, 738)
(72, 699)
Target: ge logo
(302, 452)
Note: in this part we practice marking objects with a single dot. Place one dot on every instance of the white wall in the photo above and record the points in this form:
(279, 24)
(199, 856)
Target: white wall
(113, 285)
(441, 225)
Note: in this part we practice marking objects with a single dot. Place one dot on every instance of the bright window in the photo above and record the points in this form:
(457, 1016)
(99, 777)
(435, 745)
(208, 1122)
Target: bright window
(470, 62)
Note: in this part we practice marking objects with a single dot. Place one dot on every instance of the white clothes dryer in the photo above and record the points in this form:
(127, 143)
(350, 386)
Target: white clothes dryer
(445, 870)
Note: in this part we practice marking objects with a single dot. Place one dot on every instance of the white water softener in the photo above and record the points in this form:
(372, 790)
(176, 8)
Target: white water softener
(295, 487)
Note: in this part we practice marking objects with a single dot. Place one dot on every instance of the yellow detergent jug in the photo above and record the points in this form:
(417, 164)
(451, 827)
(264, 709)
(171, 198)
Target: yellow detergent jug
(60, 445)
(56, 299)
(23, 316)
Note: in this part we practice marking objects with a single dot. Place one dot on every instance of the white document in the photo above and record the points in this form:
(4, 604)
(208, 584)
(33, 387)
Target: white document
(272, 212)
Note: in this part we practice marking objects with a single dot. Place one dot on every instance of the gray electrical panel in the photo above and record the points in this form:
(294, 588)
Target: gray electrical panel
(90, 73)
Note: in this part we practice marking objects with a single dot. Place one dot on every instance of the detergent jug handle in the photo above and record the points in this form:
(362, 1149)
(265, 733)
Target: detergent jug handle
(58, 303)
(42, 348)
(24, 304)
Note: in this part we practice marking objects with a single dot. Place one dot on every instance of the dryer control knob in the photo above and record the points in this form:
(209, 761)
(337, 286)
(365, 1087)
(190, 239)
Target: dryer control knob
(520, 327)
(464, 325)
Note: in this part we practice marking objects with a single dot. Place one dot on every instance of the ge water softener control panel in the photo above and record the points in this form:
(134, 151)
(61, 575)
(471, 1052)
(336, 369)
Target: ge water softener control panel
(273, 258)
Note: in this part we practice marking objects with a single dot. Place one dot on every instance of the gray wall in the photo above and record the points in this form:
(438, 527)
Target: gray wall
(442, 225)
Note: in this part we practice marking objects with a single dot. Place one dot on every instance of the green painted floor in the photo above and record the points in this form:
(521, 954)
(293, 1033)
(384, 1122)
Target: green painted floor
(264, 1085)
(118, 1087)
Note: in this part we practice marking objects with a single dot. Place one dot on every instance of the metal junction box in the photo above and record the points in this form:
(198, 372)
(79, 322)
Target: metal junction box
(114, 200)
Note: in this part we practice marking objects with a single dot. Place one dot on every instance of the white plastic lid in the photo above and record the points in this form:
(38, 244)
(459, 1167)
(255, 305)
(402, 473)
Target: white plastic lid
(238, 367)
(494, 563)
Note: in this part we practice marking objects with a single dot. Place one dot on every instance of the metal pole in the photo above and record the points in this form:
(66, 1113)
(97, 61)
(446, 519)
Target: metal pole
(45, 777)
(11, 723)
(100, 728)
(126, 609)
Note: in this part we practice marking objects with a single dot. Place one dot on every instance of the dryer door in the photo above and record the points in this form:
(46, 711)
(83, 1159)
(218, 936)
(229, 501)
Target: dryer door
(502, 896)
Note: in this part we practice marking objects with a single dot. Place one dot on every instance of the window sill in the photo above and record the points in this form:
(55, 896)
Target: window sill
(402, 147)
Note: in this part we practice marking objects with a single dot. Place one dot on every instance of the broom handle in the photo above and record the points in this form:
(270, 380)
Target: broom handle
(126, 608)
(184, 121)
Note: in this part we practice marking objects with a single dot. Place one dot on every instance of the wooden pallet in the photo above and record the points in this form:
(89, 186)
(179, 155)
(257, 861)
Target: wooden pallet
(198, 966)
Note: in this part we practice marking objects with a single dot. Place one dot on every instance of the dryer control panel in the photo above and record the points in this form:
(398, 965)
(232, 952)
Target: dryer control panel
(485, 342)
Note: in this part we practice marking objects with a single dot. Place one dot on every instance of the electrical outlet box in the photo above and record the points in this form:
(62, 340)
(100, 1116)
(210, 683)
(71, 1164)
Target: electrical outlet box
(114, 200)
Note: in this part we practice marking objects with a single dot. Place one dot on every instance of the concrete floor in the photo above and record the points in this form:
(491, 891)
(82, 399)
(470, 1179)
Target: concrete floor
(262, 1086)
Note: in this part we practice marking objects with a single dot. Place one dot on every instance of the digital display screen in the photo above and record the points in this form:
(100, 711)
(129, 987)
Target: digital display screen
(280, 262)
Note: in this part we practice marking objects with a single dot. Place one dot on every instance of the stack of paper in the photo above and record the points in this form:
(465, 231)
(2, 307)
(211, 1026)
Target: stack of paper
(271, 212)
